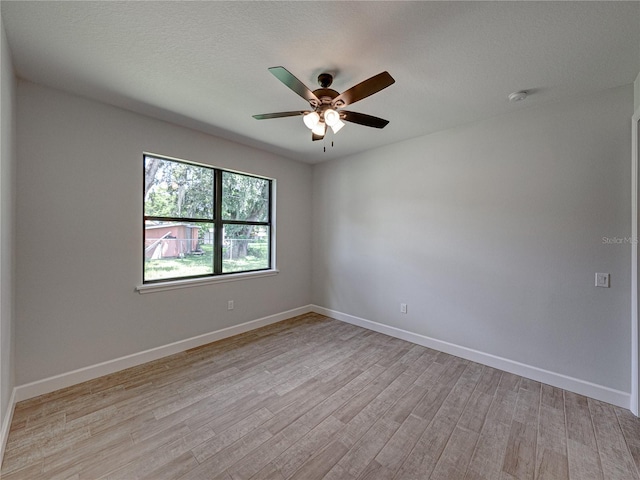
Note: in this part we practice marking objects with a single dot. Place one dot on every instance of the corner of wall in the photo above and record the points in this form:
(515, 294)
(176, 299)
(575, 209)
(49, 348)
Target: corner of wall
(7, 222)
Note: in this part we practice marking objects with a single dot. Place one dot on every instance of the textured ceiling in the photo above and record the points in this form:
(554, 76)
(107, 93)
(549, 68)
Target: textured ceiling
(204, 64)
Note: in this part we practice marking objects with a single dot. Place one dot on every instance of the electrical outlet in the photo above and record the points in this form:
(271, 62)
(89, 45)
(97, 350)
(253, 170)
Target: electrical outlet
(602, 280)
(403, 308)
(230, 305)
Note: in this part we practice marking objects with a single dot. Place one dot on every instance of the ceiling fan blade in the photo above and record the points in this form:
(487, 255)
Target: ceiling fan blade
(362, 119)
(286, 77)
(266, 116)
(364, 89)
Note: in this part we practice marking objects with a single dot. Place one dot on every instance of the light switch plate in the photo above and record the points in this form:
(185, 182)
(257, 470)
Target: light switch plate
(602, 280)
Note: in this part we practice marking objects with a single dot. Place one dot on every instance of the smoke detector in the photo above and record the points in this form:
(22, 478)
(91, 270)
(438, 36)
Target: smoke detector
(518, 96)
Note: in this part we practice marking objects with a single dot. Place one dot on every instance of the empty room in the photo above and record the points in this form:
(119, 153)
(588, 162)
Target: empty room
(319, 240)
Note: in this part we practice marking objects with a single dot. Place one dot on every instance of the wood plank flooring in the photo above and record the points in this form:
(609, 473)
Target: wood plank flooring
(312, 398)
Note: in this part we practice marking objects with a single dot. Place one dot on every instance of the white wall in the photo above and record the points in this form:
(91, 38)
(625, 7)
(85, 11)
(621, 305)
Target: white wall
(7, 168)
(491, 233)
(636, 95)
(79, 236)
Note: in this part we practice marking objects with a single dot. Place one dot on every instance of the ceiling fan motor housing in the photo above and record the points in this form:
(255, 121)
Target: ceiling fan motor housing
(325, 80)
(326, 96)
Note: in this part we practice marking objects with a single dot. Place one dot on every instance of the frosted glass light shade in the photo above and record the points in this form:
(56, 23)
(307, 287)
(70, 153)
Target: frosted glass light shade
(337, 126)
(311, 119)
(320, 129)
(331, 117)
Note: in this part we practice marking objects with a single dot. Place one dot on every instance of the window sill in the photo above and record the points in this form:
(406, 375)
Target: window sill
(197, 282)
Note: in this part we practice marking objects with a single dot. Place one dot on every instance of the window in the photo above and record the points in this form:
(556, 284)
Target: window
(201, 221)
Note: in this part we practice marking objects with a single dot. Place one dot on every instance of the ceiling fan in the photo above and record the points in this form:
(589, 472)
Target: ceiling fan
(326, 104)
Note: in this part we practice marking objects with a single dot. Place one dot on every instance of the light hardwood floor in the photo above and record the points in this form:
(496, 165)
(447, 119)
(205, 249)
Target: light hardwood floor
(312, 397)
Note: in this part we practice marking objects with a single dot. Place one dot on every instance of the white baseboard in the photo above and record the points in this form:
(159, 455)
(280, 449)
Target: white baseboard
(582, 387)
(6, 423)
(47, 385)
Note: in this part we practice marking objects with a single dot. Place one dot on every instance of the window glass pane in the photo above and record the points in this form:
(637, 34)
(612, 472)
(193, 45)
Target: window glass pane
(174, 189)
(177, 249)
(245, 247)
(245, 198)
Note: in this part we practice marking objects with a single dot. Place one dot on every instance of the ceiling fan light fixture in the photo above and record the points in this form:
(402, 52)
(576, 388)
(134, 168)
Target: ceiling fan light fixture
(337, 126)
(311, 120)
(331, 117)
(320, 129)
